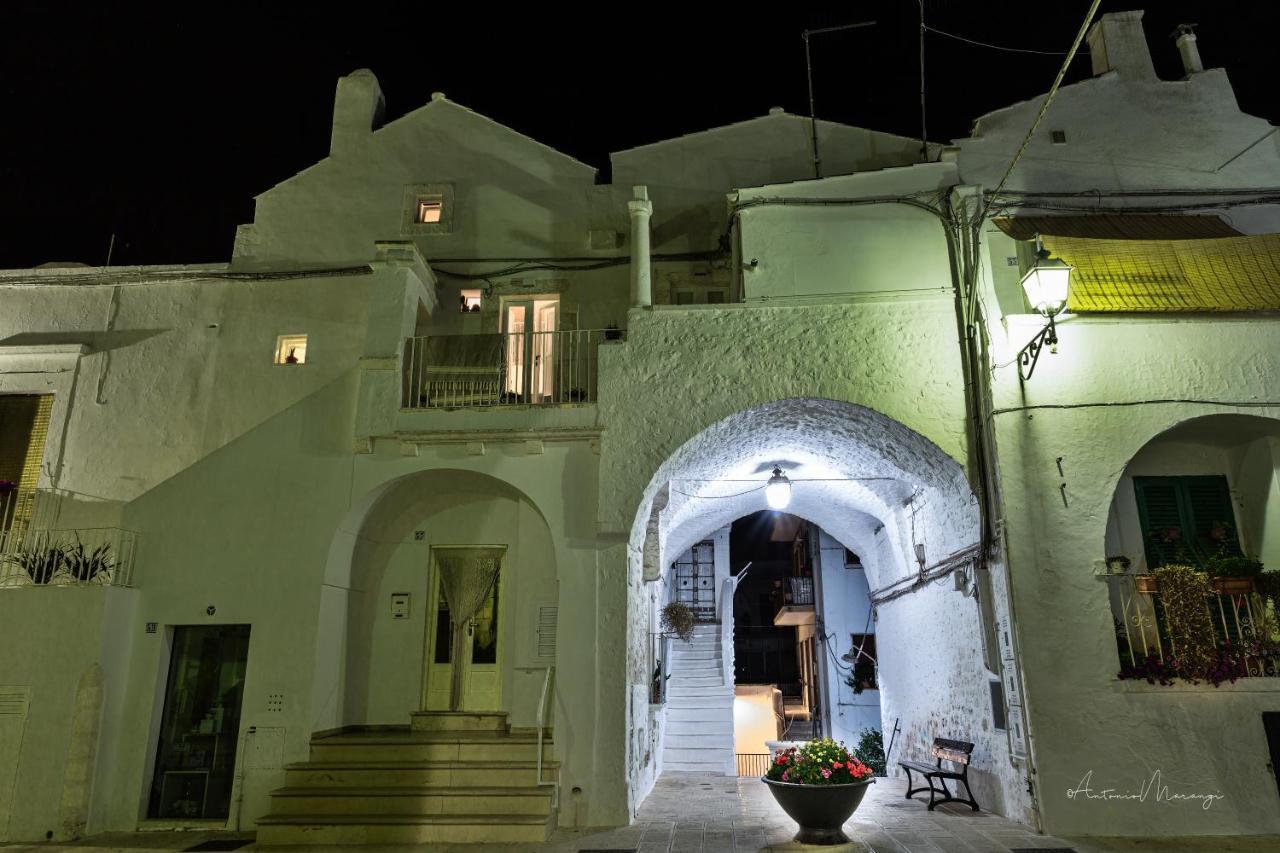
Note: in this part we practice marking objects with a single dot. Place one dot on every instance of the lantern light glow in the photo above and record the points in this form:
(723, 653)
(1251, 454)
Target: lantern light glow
(777, 492)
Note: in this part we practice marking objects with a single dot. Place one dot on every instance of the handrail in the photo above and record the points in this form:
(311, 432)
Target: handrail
(726, 630)
(542, 716)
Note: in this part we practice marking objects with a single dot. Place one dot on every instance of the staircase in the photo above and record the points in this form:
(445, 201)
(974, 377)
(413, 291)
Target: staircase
(699, 730)
(451, 777)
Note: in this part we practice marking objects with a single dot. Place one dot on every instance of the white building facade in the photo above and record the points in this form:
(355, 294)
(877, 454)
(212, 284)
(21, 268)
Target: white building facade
(446, 342)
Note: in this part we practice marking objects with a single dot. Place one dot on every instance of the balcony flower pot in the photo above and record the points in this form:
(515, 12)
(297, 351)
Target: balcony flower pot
(819, 785)
(1232, 586)
(1149, 584)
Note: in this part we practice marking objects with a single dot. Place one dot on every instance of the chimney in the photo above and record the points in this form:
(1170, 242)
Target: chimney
(357, 110)
(1186, 39)
(1117, 43)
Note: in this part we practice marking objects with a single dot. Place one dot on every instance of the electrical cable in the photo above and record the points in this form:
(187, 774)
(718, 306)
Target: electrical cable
(1048, 99)
(1246, 404)
(735, 495)
(937, 31)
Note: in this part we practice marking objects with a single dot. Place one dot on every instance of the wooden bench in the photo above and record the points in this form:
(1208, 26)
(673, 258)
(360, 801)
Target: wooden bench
(957, 752)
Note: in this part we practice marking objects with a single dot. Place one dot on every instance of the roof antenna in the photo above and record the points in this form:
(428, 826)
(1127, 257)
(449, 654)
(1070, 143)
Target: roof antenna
(924, 137)
(808, 68)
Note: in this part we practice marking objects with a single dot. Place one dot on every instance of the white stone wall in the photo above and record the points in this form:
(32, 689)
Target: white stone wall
(846, 610)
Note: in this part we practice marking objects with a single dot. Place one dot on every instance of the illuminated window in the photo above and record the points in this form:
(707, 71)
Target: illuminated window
(291, 349)
(429, 209)
(470, 300)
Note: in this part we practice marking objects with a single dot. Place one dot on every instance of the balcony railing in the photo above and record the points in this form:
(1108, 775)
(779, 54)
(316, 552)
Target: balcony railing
(35, 552)
(1244, 622)
(520, 368)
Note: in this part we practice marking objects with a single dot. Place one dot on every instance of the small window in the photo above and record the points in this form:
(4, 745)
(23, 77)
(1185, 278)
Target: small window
(852, 560)
(715, 297)
(1059, 137)
(470, 301)
(430, 208)
(684, 297)
(291, 349)
(997, 705)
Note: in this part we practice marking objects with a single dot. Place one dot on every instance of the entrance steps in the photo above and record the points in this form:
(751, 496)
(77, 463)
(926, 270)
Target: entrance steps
(698, 737)
(448, 777)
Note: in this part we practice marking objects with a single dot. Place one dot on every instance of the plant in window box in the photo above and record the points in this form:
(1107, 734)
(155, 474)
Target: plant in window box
(1233, 575)
(1267, 584)
(40, 563)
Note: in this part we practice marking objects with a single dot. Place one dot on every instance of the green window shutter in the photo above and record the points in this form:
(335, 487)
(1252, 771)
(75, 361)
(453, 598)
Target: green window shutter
(1193, 505)
(1159, 510)
(1209, 501)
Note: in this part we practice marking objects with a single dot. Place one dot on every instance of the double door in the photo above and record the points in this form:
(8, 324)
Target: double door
(530, 357)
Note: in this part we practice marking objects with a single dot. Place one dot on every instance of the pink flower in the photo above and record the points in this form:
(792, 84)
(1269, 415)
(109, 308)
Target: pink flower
(786, 775)
(836, 765)
(826, 774)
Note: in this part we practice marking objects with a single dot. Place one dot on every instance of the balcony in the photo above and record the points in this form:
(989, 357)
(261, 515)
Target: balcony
(36, 552)
(794, 601)
(516, 369)
(1244, 626)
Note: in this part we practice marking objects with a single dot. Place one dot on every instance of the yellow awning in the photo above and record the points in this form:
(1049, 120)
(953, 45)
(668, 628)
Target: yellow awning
(1224, 274)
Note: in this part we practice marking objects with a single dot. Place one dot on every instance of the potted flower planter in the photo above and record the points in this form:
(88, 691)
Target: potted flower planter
(821, 810)
(819, 784)
(1232, 586)
(1150, 584)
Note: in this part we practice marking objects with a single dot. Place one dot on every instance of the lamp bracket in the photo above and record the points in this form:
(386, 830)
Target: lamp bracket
(1030, 354)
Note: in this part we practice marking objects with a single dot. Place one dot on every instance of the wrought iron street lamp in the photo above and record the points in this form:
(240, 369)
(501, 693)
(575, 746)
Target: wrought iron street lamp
(777, 492)
(1046, 284)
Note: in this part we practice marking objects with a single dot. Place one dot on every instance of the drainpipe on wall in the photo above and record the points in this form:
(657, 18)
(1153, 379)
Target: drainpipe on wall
(640, 209)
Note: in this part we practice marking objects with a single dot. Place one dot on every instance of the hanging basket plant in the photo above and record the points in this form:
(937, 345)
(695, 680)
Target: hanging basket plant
(678, 619)
(1183, 594)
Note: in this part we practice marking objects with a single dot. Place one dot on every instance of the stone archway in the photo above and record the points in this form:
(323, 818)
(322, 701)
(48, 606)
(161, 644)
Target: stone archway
(881, 489)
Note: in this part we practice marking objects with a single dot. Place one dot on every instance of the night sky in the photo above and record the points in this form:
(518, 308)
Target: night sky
(160, 125)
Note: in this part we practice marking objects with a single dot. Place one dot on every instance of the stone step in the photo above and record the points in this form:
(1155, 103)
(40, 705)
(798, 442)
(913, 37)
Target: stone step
(717, 712)
(719, 691)
(704, 726)
(433, 774)
(685, 682)
(407, 800)
(414, 751)
(699, 703)
(458, 720)
(337, 829)
(693, 744)
(717, 768)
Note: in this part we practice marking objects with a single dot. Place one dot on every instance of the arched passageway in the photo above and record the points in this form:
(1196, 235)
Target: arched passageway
(885, 493)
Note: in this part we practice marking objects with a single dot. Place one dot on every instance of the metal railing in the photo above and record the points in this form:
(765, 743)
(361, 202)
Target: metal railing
(726, 628)
(543, 706)
(35, 551)
(801, 591)
(753, 763)
(1244, 622)
(518, 369)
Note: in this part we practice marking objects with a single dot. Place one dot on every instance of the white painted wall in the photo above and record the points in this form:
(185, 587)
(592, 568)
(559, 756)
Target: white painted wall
(846, 609)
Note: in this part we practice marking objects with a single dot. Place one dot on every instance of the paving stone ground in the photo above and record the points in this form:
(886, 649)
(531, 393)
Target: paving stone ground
(695, 813)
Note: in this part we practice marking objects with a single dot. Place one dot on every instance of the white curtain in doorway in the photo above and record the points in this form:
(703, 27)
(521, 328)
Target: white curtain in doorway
(466, 576)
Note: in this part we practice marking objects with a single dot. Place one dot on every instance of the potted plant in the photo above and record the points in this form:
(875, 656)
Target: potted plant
(1183, 590)
(1117, 564)
(1233, 575)
(819, 785)
(85, 565)
(678, 620)
(40, 563)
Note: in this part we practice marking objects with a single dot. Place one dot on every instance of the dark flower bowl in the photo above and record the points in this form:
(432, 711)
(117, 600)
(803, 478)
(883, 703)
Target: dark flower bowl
(821, 810)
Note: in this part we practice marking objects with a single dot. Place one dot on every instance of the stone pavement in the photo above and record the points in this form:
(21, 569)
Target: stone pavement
(696, 813)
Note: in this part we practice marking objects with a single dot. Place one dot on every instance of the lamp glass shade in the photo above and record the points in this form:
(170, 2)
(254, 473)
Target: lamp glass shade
(777, 492)
(1046, 284)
